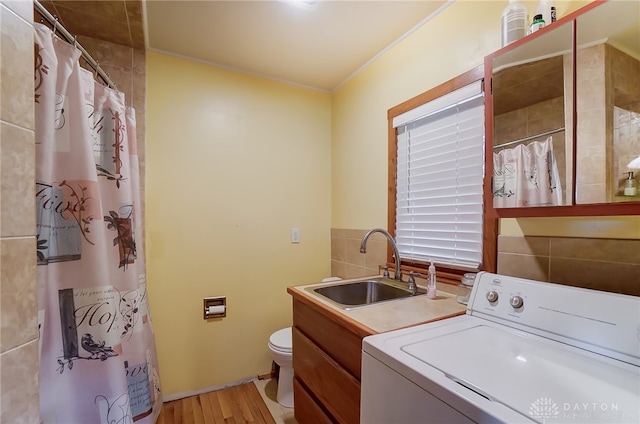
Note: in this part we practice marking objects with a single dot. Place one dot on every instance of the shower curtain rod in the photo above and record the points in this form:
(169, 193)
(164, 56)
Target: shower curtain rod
(57, 26)
(531, 137)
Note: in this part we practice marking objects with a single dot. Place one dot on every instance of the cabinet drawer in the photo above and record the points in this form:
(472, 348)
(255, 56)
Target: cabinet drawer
(306, 410)
(334, 388)
(344, 346)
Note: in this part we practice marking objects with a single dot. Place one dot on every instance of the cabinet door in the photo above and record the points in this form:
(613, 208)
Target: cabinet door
(306, 410)
(338, 341)
(532, 111)
(336, 389)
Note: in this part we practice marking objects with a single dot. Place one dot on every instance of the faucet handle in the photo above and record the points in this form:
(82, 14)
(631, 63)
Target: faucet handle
(412, 276)
(412, 282)
(385, 274)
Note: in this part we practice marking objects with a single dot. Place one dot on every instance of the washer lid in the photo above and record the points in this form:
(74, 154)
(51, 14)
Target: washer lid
(281, 339)
(535, 376)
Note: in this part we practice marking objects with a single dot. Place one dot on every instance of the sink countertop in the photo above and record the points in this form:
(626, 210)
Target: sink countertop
(391, 315)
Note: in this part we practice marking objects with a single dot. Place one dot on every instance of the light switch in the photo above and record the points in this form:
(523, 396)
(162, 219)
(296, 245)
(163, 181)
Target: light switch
(295, 235)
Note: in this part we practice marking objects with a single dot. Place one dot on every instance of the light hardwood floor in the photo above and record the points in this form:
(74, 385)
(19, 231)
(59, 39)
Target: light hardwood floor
(233, 405)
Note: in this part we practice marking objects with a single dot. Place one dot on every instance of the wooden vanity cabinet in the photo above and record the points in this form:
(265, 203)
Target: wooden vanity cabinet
(327, 356)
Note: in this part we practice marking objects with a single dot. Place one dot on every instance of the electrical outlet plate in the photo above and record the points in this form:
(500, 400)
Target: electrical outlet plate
(295, 235)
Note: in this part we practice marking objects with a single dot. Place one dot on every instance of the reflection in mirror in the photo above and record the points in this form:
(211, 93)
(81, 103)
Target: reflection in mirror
(608, 103)
(532, 108)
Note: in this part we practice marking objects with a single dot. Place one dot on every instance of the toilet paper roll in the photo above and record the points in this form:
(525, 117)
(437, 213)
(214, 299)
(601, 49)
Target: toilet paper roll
(218, 309)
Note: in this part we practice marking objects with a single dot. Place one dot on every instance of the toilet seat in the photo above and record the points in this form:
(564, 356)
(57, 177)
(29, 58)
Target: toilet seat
(281, 341)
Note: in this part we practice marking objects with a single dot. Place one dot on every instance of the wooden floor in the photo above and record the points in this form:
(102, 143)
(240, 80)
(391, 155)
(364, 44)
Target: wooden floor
(233, 405)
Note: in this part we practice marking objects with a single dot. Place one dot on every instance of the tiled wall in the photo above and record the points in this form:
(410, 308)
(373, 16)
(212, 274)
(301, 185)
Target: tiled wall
(18, 304)
(602, 264)
(593, 128)
(605, 137)
(625, 76)
(346, 259)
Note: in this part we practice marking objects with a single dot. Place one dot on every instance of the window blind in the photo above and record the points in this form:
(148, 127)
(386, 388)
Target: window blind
(440, 165)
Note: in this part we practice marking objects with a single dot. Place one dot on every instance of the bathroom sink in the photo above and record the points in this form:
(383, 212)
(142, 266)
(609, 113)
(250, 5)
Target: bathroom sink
(361, 293)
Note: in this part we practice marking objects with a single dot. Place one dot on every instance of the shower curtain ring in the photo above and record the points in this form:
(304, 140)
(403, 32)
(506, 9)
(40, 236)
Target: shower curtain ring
(55, 24)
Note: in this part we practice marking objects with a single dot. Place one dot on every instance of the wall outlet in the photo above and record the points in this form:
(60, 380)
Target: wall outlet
(295, 235)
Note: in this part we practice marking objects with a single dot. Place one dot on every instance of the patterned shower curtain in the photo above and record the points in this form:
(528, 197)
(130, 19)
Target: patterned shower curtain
(526, 175)
(98, 361)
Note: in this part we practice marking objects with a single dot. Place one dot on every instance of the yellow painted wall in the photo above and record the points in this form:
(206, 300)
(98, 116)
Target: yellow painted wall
(453, 42)
(233, 162)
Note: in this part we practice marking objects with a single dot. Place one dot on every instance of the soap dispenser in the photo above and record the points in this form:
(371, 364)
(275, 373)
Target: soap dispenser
(630, 188)
(431, 286)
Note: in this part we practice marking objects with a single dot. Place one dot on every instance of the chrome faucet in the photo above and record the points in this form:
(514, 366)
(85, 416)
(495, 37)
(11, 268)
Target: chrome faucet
(363, 249)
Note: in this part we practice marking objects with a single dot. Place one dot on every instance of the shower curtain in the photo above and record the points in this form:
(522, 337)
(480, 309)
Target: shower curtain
(97, 351)
(526, 175)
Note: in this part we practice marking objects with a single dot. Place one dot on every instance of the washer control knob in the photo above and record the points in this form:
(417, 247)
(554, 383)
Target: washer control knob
(516, 302)
(492, 296)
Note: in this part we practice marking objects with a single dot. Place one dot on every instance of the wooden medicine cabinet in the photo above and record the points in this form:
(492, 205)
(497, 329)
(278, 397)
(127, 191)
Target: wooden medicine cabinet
(563, 116)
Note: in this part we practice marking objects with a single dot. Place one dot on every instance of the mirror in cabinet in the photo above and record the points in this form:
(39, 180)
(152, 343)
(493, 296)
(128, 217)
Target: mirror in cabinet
(592, 59)
(608, 104)
(532, 112)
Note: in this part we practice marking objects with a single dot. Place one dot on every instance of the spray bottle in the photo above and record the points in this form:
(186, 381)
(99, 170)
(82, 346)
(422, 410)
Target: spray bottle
(431, 285)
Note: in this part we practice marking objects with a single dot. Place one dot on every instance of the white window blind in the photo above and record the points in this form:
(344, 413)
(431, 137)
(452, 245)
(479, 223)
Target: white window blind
(440, 165)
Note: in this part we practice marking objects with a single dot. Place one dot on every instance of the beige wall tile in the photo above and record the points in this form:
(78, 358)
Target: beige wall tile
(373, 271)
(18, 299)
(339, 249)
(545, 116)
(354, 256)
(355, 271)
(597, 275)
(22, 8)
(609, 250)
(339, 232)
(338, 269)
(601, 264)
(19, 385)
(346, 259)
(510, 126)
(356, 234)
(16, 74)
(524, 266)
(17, 181)
(376, 254)
(524, 245)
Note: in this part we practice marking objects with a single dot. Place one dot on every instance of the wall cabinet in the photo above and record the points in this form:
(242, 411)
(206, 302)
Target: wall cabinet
(326, 363)
(563, 116)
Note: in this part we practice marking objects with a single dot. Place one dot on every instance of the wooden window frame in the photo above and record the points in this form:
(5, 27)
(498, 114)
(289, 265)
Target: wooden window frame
(490, 225)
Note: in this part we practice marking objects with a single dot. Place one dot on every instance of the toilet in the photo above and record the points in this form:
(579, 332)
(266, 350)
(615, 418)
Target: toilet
(281, 349)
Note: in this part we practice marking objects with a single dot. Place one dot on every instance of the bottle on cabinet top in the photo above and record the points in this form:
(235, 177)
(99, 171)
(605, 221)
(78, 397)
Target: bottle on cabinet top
(514, 22)
(547, 10)
(537, 23)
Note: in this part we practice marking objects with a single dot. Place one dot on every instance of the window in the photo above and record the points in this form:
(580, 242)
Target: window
(437, 146)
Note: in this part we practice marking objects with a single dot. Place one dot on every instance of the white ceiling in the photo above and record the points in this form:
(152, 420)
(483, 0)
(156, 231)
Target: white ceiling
(318, 47)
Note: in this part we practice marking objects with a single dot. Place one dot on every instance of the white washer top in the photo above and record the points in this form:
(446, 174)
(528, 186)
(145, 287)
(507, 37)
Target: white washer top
(521, 371)
(281, 339)
(501, 371)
